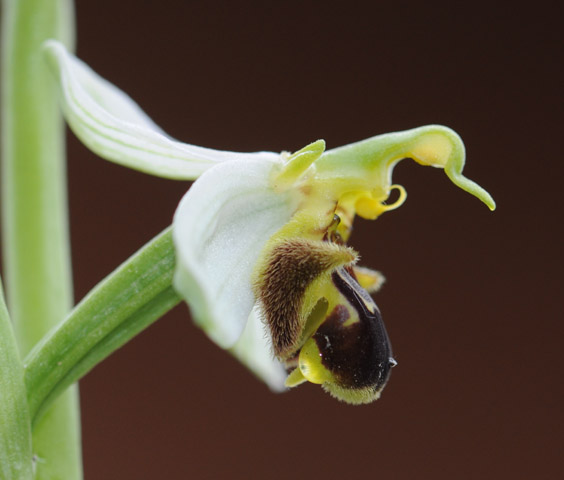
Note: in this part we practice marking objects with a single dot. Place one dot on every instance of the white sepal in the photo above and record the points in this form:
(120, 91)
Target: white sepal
(219, 229)
(114, 127)
(254, 350)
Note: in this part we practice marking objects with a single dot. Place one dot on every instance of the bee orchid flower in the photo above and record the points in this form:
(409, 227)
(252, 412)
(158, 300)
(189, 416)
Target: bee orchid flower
(261, 238)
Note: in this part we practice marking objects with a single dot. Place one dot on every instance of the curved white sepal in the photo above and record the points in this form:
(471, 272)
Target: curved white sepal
(254, 350)
(114, 127)
(219, 229)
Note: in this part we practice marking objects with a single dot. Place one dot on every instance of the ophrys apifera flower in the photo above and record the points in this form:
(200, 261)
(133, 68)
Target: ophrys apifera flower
(261, 238)
(265, 241)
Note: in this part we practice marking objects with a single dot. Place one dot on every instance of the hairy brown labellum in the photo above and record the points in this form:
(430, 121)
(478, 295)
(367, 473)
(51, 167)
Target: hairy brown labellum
(289, 270)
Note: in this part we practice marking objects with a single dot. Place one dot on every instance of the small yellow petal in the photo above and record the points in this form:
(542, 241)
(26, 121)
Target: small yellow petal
(310, 364)
(370, 208)
(370, 280)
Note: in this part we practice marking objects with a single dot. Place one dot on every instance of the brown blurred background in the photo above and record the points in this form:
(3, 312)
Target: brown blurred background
(473, 298)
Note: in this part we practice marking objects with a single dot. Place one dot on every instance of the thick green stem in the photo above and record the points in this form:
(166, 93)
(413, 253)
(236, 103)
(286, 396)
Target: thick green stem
(15, 432)
(35, 231)
(127, 301)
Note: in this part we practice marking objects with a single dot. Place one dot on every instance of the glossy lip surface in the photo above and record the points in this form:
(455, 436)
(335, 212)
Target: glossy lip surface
(360, 354)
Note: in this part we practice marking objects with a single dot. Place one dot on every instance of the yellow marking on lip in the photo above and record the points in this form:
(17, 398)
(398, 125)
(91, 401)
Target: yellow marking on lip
(310, 364)
(432, 149)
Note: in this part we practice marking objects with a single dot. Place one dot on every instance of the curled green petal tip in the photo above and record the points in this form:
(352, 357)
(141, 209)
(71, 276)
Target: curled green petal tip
(469, 186)
(442, 147)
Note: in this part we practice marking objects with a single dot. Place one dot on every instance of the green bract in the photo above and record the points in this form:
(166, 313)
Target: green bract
(260, 238)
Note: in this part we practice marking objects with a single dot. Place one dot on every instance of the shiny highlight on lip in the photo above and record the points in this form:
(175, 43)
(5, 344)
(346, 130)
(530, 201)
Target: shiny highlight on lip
(358, 353)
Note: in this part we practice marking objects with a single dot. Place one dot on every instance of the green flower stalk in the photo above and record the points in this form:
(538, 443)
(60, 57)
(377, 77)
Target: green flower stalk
(15, 434)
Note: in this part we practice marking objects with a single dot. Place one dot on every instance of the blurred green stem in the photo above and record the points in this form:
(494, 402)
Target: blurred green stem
(15, 432)
(35, 225)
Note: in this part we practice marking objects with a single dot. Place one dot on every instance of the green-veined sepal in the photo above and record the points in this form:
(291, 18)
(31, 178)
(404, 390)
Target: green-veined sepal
(114, 127)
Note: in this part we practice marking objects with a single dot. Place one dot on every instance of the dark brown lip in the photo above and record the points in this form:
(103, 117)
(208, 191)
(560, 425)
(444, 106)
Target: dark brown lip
(360, 354)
